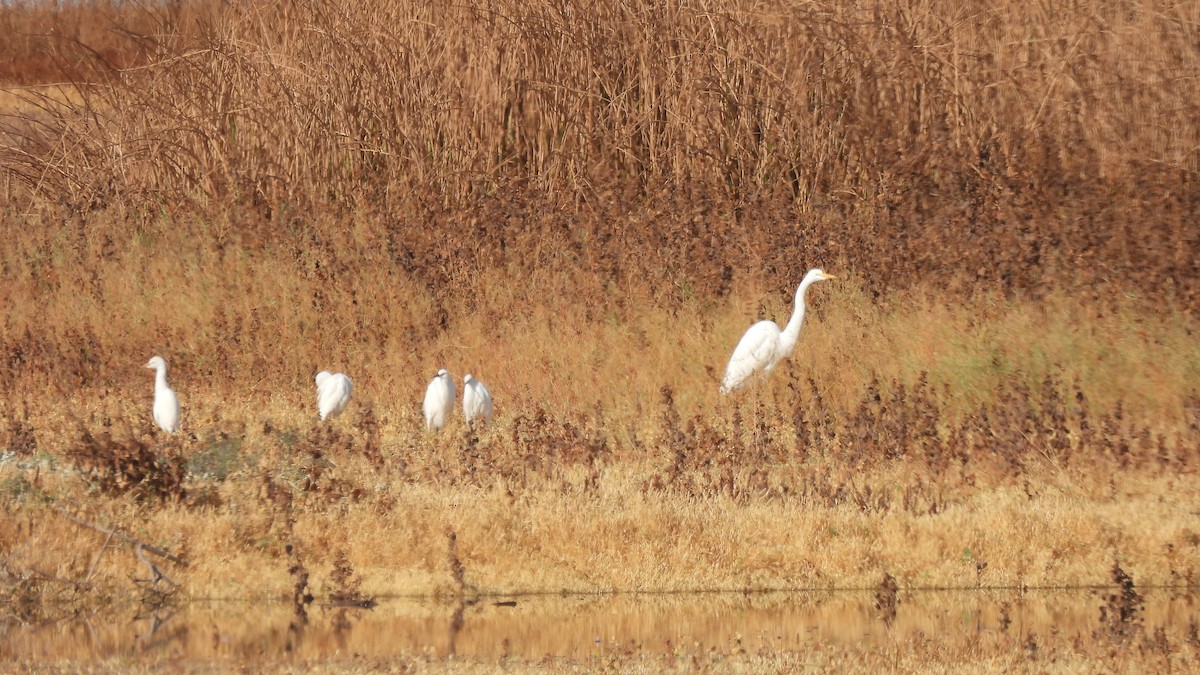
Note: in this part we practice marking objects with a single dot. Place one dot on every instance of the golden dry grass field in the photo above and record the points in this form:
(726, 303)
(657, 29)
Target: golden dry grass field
(585, 206)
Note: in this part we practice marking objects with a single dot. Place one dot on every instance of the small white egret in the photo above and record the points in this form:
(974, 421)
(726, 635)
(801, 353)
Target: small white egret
(166, 405)
(439, 400)
(764, 345)
(477, 400)
(333, 393)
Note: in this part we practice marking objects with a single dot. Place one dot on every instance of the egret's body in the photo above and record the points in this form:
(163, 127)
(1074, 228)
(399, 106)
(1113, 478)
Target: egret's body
(333, 394)
(166, 404)
(439, 400)
(764, 345)
(477, 400)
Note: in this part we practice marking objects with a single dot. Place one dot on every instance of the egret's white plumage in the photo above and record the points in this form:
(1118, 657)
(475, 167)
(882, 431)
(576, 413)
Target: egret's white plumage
(333, 393)
(477, 400)
(764, 345)
(439, 400)
(166, 404)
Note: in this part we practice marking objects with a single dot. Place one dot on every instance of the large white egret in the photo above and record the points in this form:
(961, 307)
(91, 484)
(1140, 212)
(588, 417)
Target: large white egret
(166, 404)
(333, 393)
(439, 400)
(477, 400)
(764, 345)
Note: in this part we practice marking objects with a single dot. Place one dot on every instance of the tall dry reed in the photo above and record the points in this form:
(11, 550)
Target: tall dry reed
(425, 182)
(989, 145)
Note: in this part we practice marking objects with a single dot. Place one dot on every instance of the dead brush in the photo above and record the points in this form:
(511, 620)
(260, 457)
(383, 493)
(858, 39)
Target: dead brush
(1015, 428)
(310, 464)
(281, 502)
(812, 420)
(301, 595)
(230, 114)
(543, 446)
(19, 437)
(24, 592)
(1121, 613)
(51, 38)
(1188, 448)
(150, 471)
(457, 570)
(1052, 421)
(703, 458)
(887, 598)
(366, 424)
(347, 587)
(893, 423)
(674, 441)
(278, 501)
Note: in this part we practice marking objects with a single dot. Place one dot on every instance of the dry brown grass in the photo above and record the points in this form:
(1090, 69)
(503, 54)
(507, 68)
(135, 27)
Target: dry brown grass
(990, 146)
(761, 493)
(585, 207)
(68, 41)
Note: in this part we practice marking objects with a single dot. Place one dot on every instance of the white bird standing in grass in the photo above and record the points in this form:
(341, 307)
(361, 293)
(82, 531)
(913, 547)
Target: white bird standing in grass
(439, 400)
(166, 404)
(764, 345)
(477, 400)
(333, 393)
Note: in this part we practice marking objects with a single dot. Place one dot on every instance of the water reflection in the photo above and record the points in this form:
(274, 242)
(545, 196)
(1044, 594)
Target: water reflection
(571, 626)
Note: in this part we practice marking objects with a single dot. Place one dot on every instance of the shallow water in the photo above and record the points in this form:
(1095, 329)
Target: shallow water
(573, 626)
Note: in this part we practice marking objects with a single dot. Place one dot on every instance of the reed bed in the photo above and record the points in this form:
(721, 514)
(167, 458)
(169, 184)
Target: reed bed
(988, 146)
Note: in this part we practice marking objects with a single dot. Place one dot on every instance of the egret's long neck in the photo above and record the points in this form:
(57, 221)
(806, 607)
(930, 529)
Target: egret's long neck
(791, 332)
(160, 379)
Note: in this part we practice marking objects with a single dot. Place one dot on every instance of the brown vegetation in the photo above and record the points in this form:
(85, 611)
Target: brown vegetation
(989, 146)
(586, 206)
